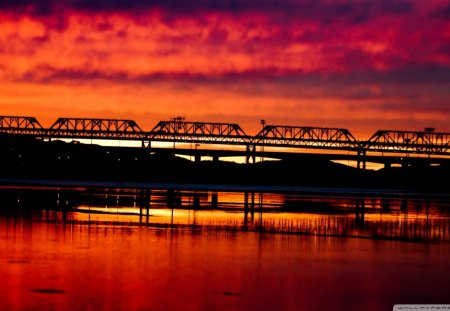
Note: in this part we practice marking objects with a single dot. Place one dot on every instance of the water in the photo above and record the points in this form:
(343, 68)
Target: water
(96, 249)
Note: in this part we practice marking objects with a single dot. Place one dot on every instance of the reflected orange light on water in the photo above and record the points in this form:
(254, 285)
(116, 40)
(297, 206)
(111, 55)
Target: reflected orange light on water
(64, 265)
(218, 250)
(270, 212)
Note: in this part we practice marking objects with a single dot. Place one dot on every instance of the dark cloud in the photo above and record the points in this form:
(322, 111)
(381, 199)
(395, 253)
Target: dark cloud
(49, 74)
(353, 11)
(438, 76)
(443, 12)
(415, 75)
(422, 105)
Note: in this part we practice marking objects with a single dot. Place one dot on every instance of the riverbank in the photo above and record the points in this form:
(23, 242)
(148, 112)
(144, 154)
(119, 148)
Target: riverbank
(30, 161)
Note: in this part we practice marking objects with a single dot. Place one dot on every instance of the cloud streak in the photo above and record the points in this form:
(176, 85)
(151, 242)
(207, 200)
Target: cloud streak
(356, 11)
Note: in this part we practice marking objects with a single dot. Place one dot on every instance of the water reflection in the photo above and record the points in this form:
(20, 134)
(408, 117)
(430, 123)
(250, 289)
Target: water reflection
(60, 262)
(400, 217)
(133, 249)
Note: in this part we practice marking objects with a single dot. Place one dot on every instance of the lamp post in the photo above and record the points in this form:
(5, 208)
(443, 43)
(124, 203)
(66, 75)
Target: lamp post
(429, 130)
(178, 125)
(408, 147)
(263, 123)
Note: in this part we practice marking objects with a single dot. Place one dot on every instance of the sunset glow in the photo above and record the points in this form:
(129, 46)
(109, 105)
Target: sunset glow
(361, 65)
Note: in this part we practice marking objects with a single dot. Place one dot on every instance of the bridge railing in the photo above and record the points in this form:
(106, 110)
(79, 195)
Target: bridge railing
(308, 137)
(179, 130)
(409, 142)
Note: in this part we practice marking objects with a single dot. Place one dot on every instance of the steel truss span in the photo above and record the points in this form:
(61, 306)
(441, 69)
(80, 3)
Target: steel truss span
(410, 142)
(199, 132)
(20, 125)
(307, 137)
(96, 128)
(178, 130)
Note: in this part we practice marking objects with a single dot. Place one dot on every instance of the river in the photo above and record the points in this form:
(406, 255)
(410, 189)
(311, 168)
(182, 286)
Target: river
(181, 249)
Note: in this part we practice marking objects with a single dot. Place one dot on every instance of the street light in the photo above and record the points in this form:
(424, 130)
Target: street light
(177, 126)
(263, 123)
(429, 130)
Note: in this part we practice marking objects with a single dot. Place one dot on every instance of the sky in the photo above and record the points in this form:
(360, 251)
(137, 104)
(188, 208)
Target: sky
(363, 65)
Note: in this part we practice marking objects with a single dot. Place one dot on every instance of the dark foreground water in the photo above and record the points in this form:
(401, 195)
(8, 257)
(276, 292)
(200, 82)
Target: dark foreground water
(106, 249)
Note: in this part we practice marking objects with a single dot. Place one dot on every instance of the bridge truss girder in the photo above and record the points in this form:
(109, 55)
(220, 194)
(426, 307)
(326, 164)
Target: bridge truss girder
(20, 125)
(307, 137)
(198, 132)
(409, 142)
(96, 128)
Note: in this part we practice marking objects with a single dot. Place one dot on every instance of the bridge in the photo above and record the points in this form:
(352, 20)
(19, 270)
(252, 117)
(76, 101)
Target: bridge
(276, 141)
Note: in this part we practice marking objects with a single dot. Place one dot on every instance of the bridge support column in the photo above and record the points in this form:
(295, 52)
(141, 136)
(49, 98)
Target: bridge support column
(246, 201)
(359, 208)
(252, 206)
(170, 196)
(387, 165)
(173, 199)
(196, 201)
(147, 144)
(198, 158)
(143, 201)
(250, 156)
(215, 158)
(149, 202)
(214, 200)
(361, 159)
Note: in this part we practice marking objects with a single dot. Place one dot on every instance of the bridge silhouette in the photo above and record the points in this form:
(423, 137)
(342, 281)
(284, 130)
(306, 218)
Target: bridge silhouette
(276, 141)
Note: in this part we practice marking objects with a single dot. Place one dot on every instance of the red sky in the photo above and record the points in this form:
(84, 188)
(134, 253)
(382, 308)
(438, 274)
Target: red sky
(358, 64)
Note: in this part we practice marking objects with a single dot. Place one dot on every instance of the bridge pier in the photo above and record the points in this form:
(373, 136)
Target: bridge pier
(250, 156)
(252, 207)
(214, 200)
(173, 199)
(360, 207)
(361, 164)
(198, 158)
(144, 201)
(196, 201)
(149, 201)
(246, 201)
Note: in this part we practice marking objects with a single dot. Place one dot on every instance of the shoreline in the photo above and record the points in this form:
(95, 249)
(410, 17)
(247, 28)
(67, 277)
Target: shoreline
(324, 190)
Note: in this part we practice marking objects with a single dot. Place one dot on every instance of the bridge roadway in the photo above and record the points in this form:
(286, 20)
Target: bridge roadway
(386, 159)
(385, 146)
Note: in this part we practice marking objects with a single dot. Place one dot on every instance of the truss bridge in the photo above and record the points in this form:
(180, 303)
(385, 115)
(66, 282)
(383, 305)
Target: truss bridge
(277, 141)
